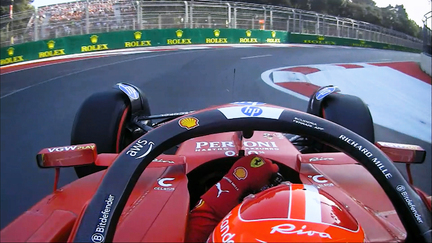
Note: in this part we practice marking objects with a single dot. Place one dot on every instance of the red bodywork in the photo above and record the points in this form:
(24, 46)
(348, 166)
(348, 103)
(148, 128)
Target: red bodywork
(158, 207)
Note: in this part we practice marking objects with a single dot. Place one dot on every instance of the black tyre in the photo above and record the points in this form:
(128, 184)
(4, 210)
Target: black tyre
(348, 111)
(351, 112)
(101, 119)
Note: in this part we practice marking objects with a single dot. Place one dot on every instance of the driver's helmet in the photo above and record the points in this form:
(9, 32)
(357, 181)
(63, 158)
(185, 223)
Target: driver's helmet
(288, 213)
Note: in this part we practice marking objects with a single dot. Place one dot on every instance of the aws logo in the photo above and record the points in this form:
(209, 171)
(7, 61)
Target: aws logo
(95, 46)
(216, 40)
(11, 59)
(51, 52)
(273, 38)
(248, 39)
(179, 40)
(138, 42)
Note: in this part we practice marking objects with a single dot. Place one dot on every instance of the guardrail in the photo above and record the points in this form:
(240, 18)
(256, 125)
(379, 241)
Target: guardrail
(100, 16)
(427, 34)
(155, 37)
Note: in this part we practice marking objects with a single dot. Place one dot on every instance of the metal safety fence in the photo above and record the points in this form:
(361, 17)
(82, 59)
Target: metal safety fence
(98, 16)
(427, 33)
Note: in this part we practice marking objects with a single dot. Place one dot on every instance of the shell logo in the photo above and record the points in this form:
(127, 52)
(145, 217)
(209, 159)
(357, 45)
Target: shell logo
(179, 33)
(137, 35)
(10, 51)
(273, 34)
(216, 33)
(321, 38)
(240, 173)
(256, 162)
(51, 44)
(94, 39)
(248, 33)
(188, 122)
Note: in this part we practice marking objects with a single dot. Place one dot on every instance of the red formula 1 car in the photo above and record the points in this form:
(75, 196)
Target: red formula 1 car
(335, 182)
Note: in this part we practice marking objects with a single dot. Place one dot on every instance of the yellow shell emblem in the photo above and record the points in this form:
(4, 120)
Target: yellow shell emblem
(188, 122)
(179, 33)
(137, 35)
(240, 173)
(273, 33)
(10, 51)
(256, 162)
(321, 38)
(94, 39)
(216, 33)
(248, 33)
(51, 44)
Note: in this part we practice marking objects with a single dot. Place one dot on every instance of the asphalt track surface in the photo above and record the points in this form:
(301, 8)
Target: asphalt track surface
(38, 105)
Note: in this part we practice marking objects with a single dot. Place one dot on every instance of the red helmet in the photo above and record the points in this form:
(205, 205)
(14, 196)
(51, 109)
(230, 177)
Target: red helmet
(288, 212)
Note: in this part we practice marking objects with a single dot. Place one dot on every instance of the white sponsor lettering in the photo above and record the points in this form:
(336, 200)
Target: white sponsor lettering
(100, 228)
(161, 182)
(136, 148)
(291, 229)
(307, 123)
(410, 204)
(163, 161)
(319, 159)
(60, 149)
(224, 230)
(227, 145)
(164, 188)
(366, 152)
(230, 153)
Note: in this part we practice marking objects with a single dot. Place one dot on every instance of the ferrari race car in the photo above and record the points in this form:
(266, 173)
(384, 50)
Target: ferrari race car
(139, 175)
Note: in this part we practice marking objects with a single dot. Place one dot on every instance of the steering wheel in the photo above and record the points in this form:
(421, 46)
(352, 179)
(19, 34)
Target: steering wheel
(123, 174)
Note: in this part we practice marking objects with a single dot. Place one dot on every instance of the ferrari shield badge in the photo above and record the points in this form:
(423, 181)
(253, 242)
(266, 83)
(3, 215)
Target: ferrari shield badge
(256, 162)
(188, 122)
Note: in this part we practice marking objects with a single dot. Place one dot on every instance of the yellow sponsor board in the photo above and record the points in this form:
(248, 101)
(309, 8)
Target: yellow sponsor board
(248, 40)
(216, 40)
(51, 52)
(98, 47)
(319, 42)
(361, 44)
(179, 41)
(11, 59)
(137, 43)
(273, 40)
(94, 47)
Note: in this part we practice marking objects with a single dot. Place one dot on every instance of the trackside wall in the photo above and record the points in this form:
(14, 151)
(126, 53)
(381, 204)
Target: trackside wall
(165, 37)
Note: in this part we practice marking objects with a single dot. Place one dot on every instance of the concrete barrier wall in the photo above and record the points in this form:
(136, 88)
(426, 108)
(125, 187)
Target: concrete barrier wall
(165, 37)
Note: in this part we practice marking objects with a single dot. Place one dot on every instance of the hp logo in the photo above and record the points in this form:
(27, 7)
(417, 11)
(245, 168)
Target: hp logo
(251, 111)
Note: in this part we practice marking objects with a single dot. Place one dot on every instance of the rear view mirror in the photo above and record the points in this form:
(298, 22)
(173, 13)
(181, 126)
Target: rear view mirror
(403, 153)
(73, 155)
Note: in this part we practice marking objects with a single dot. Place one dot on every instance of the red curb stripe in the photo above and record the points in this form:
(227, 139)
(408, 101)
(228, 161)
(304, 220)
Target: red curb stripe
(409, 68)
(303, 70)
(349, 66)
